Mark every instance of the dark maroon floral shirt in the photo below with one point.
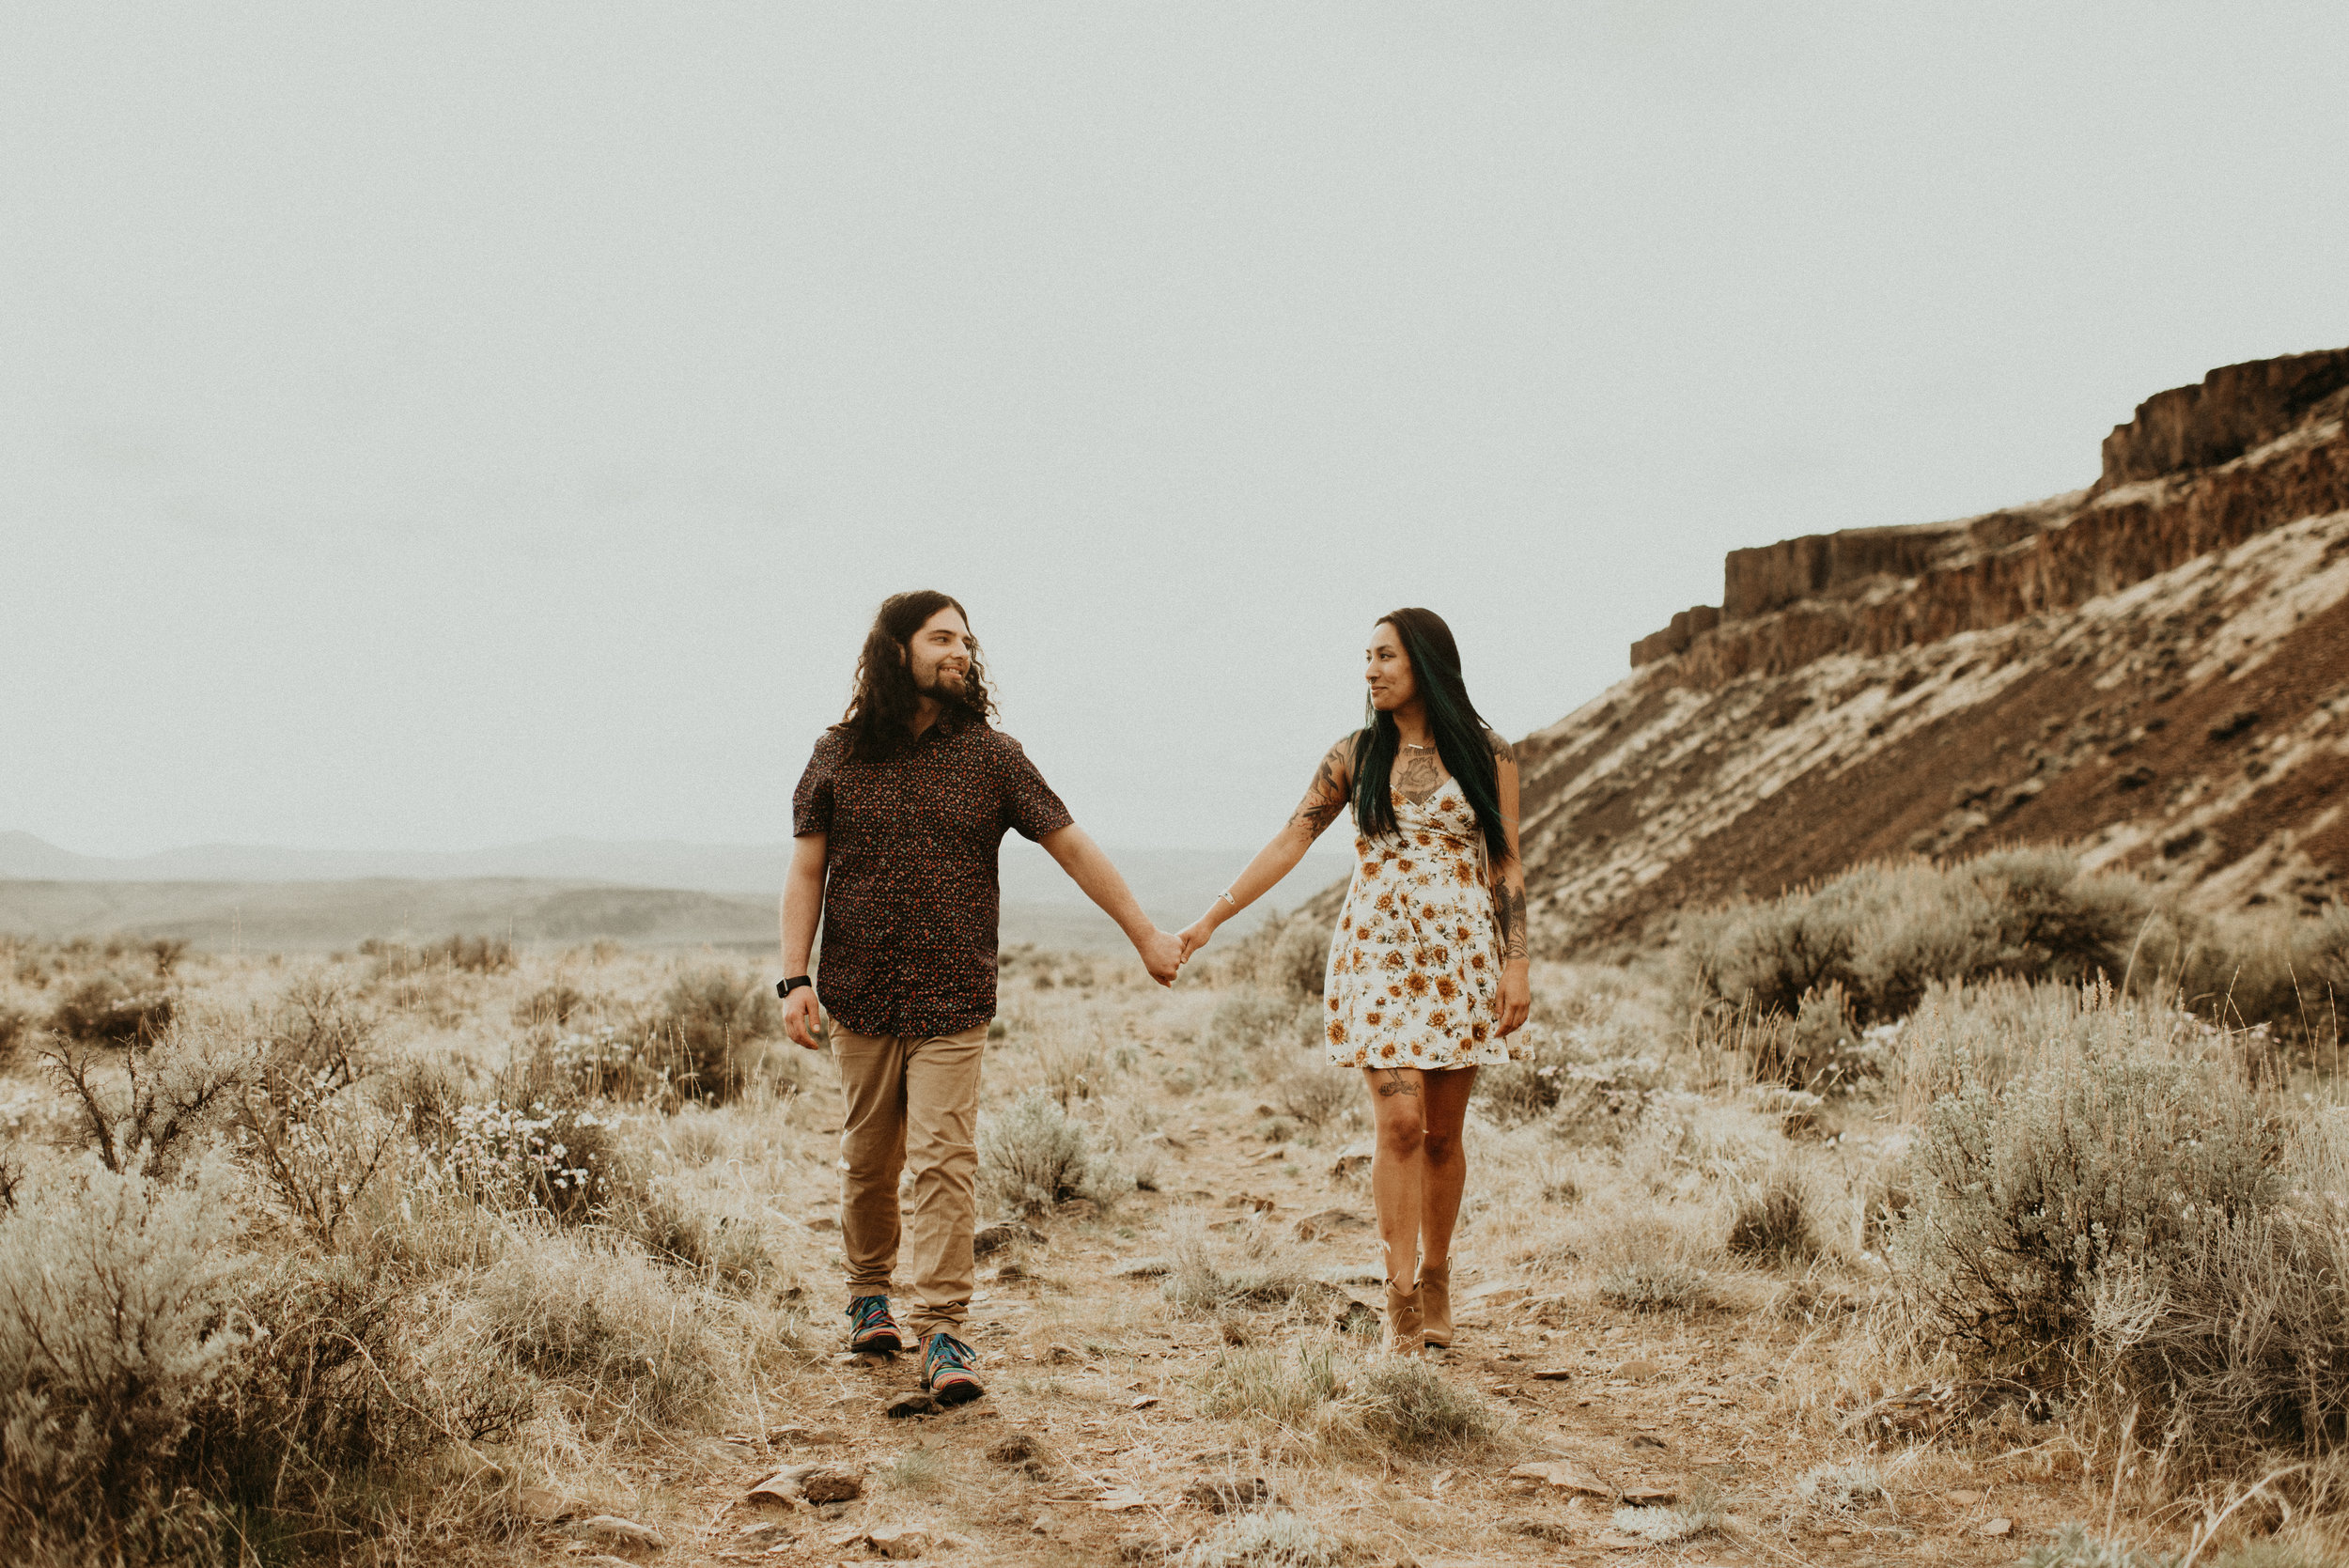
(911, 891)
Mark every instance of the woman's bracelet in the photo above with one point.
(1226, 896)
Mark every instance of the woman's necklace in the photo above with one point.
(1409, 747)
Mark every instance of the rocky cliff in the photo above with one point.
(2155, 668)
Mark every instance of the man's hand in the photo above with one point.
(1517, 996)
(1161, 955)
(801, 1017)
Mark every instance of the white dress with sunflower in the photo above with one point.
(1414, 977)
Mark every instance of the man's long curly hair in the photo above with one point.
(883, 708)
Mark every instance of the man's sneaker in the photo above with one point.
(946, 1370)
(871, 1328)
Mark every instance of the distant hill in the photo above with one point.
(1173, 879)
(2154, 669)
(221, 896)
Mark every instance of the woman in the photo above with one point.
(1428, 974)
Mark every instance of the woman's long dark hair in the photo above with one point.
(1467, 755)
(883, 708)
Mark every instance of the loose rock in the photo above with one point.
(913, 1401)
(1329, 1222)
(898, 1542)
(1352, 1160)
(1016, 1449)
(829, 1484)
(994, 1239)
(1995, 1526)
(760, 1537)
(1649, 1496)
(1565, 1475)
(547, 1507)
(1142, 1268)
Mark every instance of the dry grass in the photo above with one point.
(423, 1325)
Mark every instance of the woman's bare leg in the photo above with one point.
(1444, 1102)
(1397, 1169)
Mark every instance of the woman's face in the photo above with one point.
(1387, 669)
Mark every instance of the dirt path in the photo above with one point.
(1089, 1449)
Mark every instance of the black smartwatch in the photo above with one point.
(785, 987)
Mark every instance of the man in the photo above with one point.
(896, 826)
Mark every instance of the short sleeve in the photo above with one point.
(1029, 804)
(811, 804)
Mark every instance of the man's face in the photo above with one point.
(939, 654)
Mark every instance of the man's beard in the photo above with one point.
(948, 688)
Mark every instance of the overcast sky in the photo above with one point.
(435, 425)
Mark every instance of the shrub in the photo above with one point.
(2102, 1150)
(701, 1024)
(550, 1005)
(1526, 1090)
(1290, 1389)
(2129, 1218)
(1698, 1515)
(1885, 933)
(1772, 1217)
(110, 1010)
(1273, 1539)
(317, 1038)
(15, 1027)
(114, 1332)
(2076, 1546)
(560, 1161)
(729, 1254)
(1409, 1402)
(473, 955)
(1656, 1285)
(601, 1317)
(1298, 960)
(1317, 1096)
(185, 1086)
(1840, 1488)
(1260, 1269)
(1250, 1021)
(1035, 1155)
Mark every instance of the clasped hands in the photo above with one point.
(1165, 953)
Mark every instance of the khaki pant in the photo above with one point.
(908, 1098)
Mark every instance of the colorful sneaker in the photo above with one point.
(871, 1328)
(946, 1370)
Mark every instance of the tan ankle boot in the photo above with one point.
(1404, 1336)
(1435, 1304)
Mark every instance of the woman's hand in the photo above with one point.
(1194, 936)
(1516, 995)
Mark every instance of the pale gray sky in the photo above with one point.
(433, 425)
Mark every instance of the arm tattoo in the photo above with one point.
(1325, 798)
(1509, 907)
(1500, 748)
(1395, 1083)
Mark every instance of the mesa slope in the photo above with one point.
(2155, 670)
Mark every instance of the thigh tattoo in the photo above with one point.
(1395, 1083)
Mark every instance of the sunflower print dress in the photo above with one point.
(1414, 977)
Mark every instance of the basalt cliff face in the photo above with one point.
(2154, 669)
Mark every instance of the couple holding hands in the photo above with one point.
(896, 826)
